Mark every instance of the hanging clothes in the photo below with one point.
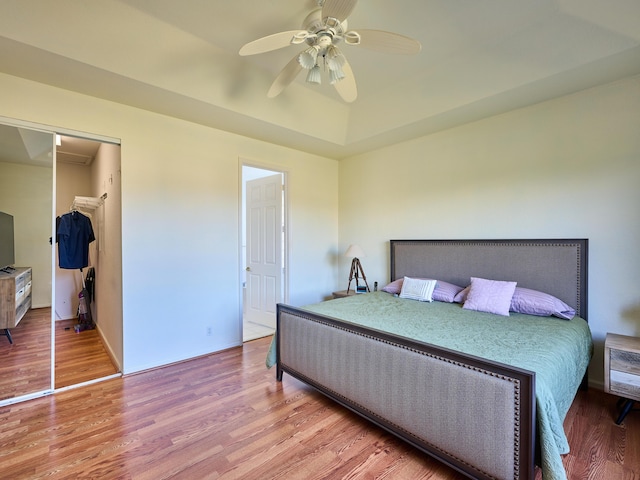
(74, 234)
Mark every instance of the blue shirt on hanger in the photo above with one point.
(74, 234)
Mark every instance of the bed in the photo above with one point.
(490, 407)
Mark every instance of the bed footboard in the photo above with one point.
(474, 415)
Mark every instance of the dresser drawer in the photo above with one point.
(15, 296)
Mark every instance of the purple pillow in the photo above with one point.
(461, 296)
(533, 302)
(491, 296)
(394, 287)
(444, 291)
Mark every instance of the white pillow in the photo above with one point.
(418, 289)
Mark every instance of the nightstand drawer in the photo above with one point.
(622, 366)
(624, 384)
(624, 361)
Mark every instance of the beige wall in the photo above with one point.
(180, 220)
(564, 168)
(26, 192)
(107, 304)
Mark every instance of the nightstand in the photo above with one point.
(343, 293)
(622, 370)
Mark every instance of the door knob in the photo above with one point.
(248, 269)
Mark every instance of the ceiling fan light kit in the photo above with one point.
(308, 58)
(335, 76)
(314, 76)
(324, 28)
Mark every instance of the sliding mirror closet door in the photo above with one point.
(88, 293)
(26, 197)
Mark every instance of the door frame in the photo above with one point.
(244, 162)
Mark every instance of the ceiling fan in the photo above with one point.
(322, 30)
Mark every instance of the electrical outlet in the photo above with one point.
(209, 331)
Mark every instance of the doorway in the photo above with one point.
(263, 249)
(87, 300)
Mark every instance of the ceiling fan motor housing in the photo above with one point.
(322, 29)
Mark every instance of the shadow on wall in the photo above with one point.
(631, 315)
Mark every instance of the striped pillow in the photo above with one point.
(418, 289)
(444, 291)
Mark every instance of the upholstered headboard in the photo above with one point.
(556, 267)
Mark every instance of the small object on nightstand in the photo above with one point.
(622, 370)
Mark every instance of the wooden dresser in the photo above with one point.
(15, 298)
(622, 369)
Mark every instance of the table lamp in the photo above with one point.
(354, 251)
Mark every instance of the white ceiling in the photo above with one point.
(31, 147)
(23, 145)
(77, 151)
(180, 58)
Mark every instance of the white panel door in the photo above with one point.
(264, 249)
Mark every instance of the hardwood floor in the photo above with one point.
(25, 365)
(224, 416)
(80, 357)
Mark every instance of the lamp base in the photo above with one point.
(356, 268)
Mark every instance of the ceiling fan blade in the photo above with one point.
(274, 42)
(346, 87)
(285, 77)
(388, 42)
(339, 9)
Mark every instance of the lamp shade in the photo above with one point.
(354, 251)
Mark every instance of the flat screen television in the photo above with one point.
(7, 251)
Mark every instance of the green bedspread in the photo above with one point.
(558, 351)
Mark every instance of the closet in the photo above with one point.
(74, 237)
(89, 185)
(61, 172)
